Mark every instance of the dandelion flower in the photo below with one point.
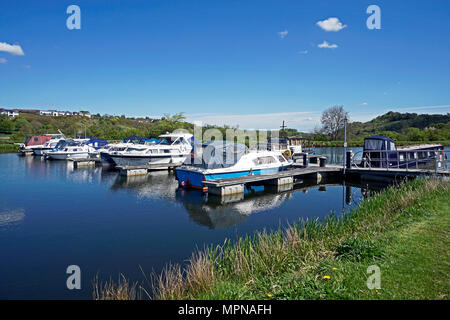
(326, 277)
(334, 269)
(269, 295)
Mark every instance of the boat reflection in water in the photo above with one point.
(224, 212)
(217, 212)
(156, 185)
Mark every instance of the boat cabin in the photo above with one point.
(381, 152)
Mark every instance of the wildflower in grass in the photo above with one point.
(326, 277)
(269, 295)
(334, 269)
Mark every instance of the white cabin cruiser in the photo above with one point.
(70, 149)
(223, 160)
(106, 151)
(172, 149)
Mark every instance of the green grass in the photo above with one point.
(403, 230)
(8, 148)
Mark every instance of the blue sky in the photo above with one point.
(226, 61)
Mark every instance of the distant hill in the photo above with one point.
(399, 123)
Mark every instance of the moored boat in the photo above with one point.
(171, 150)
(223, 160)
(382, 152)
(49, 145)
(70, 149)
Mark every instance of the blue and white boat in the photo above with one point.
(223, 160)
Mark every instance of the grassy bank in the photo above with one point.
(403, 230)
(8, 148)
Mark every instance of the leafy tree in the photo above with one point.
(6, 125)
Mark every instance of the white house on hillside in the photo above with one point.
(9, 113)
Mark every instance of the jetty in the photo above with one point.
(85, 162)
(316, 172)
(230, 186)
(130, 171)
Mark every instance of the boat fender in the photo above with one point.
(287, 154)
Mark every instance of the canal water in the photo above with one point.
(53, 216)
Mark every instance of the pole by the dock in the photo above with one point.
(345, 140)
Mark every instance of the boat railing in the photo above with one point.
(437, 160)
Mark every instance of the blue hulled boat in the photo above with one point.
(223, 160)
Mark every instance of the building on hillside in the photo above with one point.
(9, 112)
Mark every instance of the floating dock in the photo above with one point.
(85, 162)
(315, 173)
(129, 171)
(230, 186)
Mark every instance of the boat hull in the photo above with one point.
(194, 179)
(129, 160)
(67, 155)
(41, 151)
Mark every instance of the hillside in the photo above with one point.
(399, 126)
(403, 126)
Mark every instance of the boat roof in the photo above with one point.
(96, 140)
(380, 138)
(224, 144)
(172, 135)
(135, 138)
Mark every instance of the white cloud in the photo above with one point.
(303, 52)
(327, 45)
(14, 49)
(331, 24)
(283, 34)
(3, 60)
(364, 104)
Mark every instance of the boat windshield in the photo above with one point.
(373, 144)
(67, 143)
(168, 140)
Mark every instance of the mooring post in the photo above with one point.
(348, 159)
(305, 159)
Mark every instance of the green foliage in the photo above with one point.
(358, 249)
(106, 127)
(6, 125)
(404, 126)
(8, 148)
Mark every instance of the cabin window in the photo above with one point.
(392, 146)
(373, 144)
(264, 160)
(36, 139)
(281, 158)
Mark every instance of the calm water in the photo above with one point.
(52, 216)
